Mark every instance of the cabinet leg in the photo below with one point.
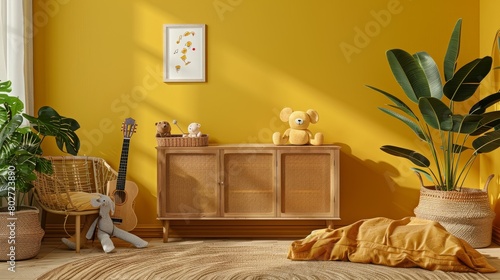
(329, 224)
(166, 226)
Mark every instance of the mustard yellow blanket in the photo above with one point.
(409, 242)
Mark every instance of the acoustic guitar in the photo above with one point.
(121, 190)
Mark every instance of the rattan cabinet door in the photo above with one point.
(306, 182)
(249, 182)
(188, 182)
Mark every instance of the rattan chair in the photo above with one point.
(68, 190)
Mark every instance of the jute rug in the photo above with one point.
(229, 259)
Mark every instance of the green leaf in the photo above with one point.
(9, 128)
(487, 143)
(11, 103)
(489, 121)
(431, 72)
(483, 104)
(416, 158)
(413, 126)
(10, 147)
(44, 165)
(421, 171)
(30, 142)
(50, 123)
(450, 59)
(5, 86)
(466, 124)
(68, 142)
(25, 163)
(436, 113)
(467, 79)
(399, 104)
(409, 74)
(457, 149)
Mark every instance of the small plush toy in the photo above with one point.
(298, 133)
(106, 229)
(162, 129)
(193, 130)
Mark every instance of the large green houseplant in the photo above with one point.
(20, 160)
(20, 146)
(455, 137)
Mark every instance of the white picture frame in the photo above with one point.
(184, 53)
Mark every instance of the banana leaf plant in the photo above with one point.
(455, 137)
(20, 150)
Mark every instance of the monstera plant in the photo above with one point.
(20, 145)
(455, 137)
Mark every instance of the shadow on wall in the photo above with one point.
(381, 198)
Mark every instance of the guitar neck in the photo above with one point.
(122, 170)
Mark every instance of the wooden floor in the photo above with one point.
(53, 254)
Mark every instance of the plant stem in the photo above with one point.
(432, 148)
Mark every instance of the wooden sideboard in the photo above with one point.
(247, 181)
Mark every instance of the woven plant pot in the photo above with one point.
(25, 231)
(466, 214)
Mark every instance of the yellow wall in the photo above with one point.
(101, 61)
(489, 26)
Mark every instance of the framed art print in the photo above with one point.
(184, 53)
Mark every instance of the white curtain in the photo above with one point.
(16, 49)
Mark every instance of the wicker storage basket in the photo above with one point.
(176, 140)
(466, 214)
(27, 234)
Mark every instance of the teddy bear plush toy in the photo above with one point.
(162, 129)
(298, 133)
(105, 228)
(193, 130)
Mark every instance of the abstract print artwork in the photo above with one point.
(184, 53)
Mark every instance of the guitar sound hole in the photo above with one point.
(120, 197)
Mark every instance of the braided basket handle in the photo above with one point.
(488, 182)
(485, 189)
(420, 179)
